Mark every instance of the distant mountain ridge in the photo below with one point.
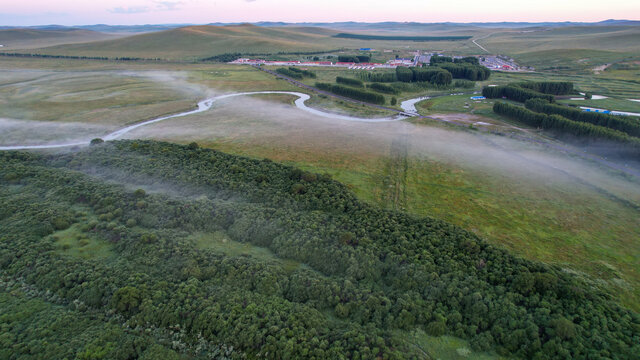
(342, 25)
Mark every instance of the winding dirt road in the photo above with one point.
(205, 105)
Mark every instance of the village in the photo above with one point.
(492, 62)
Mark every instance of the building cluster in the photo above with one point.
(491, 62)
(351, 65)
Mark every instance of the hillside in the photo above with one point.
(14, 39)
(204, 41)
(154, 245)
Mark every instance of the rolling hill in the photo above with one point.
(24, 38)
(204, 41)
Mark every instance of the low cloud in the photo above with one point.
(168, 5)
(129, 10)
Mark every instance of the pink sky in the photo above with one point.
(74, 12)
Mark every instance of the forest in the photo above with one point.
(155, 250)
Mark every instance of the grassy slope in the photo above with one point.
(574, 49)
(75, 105)
(15, 39)
(203, 41)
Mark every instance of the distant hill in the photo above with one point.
(194, 42)
(27, 38)
(379, 26)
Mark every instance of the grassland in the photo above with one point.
(20, 39)
(444, 347)
(197, 42)
(221, 242)
(558, 222)
(609, 103)
(538, 213)
(425, 167)
(107, 98)
(568, 49)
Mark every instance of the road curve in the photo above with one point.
(205, 105)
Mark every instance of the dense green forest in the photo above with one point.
(144, 249)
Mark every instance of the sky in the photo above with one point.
(129, 12)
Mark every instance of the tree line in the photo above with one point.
(296, 73)
(349, 81)
(228, 57)
(354, 58)
(383, 88)
(402, 38)
(353, 93)
(47, 56)
(563, 126)
(628, 125)
(548, 87)
(514, 93)
(416, 74)
(377, 76)
(465, 70)
(437, 59)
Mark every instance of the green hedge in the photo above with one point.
(289, 73)
(563, 125)
(548, 87)
(353, 93)
(383, 88)
(349, 81)
(628, 125)
(514, 93)
(467, 71)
